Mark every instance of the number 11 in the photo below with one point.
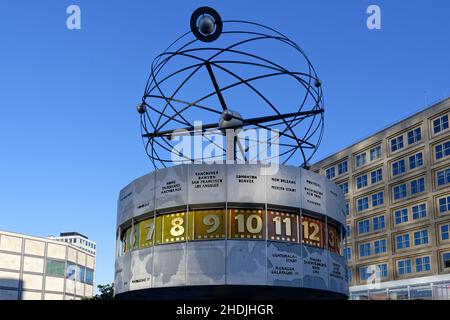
(287, 223)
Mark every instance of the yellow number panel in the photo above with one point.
(174, 227)
(211, 224)
(126, 240)
(246, 223)
(207, 224)
(134, 237)
(150, 232)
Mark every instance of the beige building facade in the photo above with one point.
(34, 268)
(397, 188)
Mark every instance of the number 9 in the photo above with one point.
(213, 221)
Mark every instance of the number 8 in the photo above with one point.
(177, 228)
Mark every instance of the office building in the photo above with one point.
(77, 240)
(35, 268)
(397, 188)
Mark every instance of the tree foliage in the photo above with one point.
(106, 292)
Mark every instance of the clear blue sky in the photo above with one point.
(69, 132)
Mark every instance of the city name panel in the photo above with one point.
(217, 225)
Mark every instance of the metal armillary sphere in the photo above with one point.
(234, 75)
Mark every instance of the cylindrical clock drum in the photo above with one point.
(196, 231)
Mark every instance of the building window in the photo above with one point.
(375, 153)
(414, 136)
(402, 241)
(443, 177)
(89, 276)
(376, 176)
(363, 226)
(418, 185)
(363, 204)
(55, 268)
(404, 266)
(71, 270)
(330, 172)
(420, 237)
(378, 199)
(364, 249)
(380, 246)
(347, 229)
(363, 273)
(398, 167)
(416, 161)
(348, 253)
(442, 150)
(342, 167)
(400, 192)
(446, 259)
(81, 274)
(360, 159)
(350, 275)
(361, 181)
(382, 270)
(401, 216)
(397, 143)
(423, 264)
(445, 229)
(419, 211)
(444, 204)
(344, 187)
(347, 208)
(440, 124)
(378, 223)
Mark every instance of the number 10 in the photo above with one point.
(249, 223)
